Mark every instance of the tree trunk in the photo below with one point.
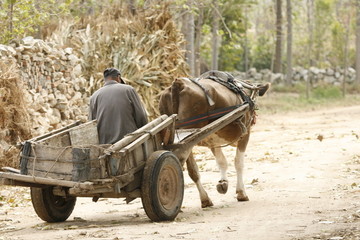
(310, 20)
(278, 47)
(190, 40)
(346, 52)
(215, 37)
(357, 5)
(198, 41)
(246, 51)
(289, 43)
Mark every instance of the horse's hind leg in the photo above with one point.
(222, 186)
(194, 174)
(239, 166)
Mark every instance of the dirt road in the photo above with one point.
(302, 176)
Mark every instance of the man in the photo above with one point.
(117, 108)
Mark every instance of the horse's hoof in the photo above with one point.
(222, 186)
(242, 199)
(206, 203)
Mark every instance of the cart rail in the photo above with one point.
(183, 148)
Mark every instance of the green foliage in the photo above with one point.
(231, 55)
(322, 91)
(19, 18)
(324, 16)
(294, 88)
(327, 92)
(262, 53)
(338, 39)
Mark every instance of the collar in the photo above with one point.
(109, 82)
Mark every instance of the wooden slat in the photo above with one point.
(46, 181)
(53, 175)
(214, 126)
(38, 138)
(84, 134)
(12, 182)
(133, 136)
(62, 138)
(10, 169)
(163, 125)
(183, 148)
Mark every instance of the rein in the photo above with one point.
(206, 116)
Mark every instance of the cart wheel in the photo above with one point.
(162, 188)
(49, 207)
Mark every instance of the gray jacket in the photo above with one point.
(118, 110)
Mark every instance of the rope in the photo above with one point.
(57, 159)
(33, 150)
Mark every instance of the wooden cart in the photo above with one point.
(69, 163)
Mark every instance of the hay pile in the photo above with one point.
(146, 48)
(14, 118)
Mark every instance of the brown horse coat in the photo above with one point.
(187, 99)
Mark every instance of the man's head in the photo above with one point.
(113, 74)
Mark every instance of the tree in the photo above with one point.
(357, 6)
(19, 18)
(289, 43)
(188, 29)
(198, 38)
(324, 17)
(278, 46)
(310, 21)
(215, 36)
(246, 45)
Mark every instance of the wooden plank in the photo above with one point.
(181, 134)
(10, 169)
(163, 125)
(38, 138)
(65, 161)
(62, 139)
(132, 146)
(25, 153)
(214, 126)
(46, 181)
(135, 144)
(53, 175)
(12, 182)
(50, 159)
(50, 166)
(183, 148)
(59, 140)
(133, 194)
(133, 136)
(123, 161)
(84, 134)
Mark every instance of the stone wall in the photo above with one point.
(54, 86)
(333, 76)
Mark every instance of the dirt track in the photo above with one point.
(299, 188)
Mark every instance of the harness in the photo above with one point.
(227, 80)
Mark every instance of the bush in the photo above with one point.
(327, 92)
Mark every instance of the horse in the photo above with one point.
(214, 91)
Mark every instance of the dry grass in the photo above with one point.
(146, 48)
(14, 119)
